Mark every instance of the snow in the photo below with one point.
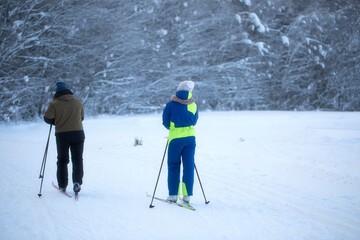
(162, 32)
(285, 40)
(254, 19)
(238, 18)
(17, 23)
(246, 2)
(247, 41)
(268, 175)
(322, 51)
(259, 45)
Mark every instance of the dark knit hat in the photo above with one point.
(60, 86)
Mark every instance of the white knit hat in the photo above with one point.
(187, 85)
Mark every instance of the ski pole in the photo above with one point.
(206, 202)
(151, 204)
(42, 169)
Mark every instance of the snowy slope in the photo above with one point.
(268, 175)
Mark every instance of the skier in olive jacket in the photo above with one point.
(66, 112)
(180, 116)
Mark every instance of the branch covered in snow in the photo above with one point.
(128, 56)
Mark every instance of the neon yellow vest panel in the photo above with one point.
(182, 132)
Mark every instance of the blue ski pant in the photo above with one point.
(181, 149)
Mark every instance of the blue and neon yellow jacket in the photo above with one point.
(180, 115)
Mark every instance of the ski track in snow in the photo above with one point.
(268, 175)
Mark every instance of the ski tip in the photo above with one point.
(207, 202)
(151, 206)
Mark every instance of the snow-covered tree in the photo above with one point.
(128, 56)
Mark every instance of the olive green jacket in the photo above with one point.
(66, 112)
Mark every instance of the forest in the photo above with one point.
(128, 56)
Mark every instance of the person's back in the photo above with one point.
(69, 113)
(66, 112)
(180, 116)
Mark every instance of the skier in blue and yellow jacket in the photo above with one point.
(180, 116)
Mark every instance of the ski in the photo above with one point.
(173, 203)
(62, 192)
(186, 203)
(76, 196)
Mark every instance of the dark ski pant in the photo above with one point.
(181, 149)
(75, 142)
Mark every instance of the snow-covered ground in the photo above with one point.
(268, 175)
